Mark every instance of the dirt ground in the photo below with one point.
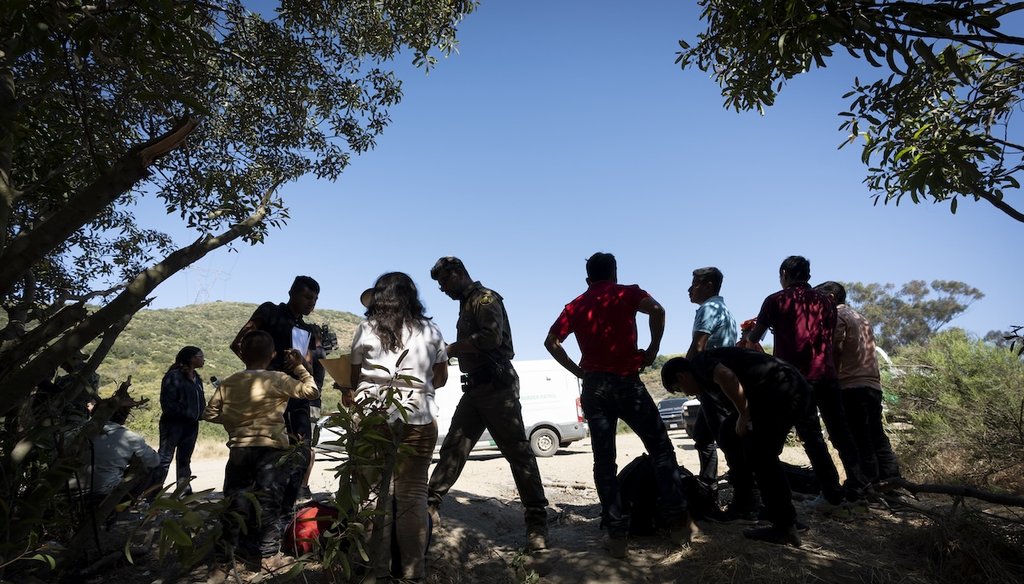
(482, 536)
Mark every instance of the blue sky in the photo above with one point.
(564, 128)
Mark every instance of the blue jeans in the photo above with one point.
(607, 398)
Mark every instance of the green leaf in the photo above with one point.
(46, 559)
(904, 151)
(925, 52)
(170, 530)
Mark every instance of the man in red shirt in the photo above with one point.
(803, 322)
(604, 321)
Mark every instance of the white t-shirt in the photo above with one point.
(425, 347)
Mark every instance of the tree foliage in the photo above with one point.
(914, 312)
(207, 108)
(965, 403)
(936, 124)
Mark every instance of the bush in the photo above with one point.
(965, 403)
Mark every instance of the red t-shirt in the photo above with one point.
(604, 321)
(803, 322)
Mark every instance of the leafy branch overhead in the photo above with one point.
(937, 123)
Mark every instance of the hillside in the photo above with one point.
(148, 345)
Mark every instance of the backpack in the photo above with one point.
(638, 492)
(304, 531)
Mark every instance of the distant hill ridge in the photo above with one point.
(148, 345)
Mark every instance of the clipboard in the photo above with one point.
(340, 369)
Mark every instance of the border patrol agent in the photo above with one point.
(490, 398)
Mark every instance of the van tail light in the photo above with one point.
(579, 410)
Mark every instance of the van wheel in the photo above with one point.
(544, 442)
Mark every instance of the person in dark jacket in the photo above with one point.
(182, 403)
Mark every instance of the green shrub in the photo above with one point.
(964, 401)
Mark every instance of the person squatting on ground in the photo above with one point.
(604, 321)
(803, 322)
(181, 405)
(398, 339)
(861, 387)
(766, 398)
(713, 327)
(284, 323)
(250, 404)
(490, 398)
(109, 455)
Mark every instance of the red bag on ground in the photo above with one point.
(304, 531)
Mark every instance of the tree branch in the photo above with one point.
(16, 383)
(998, 203)
(962, 491)
(29, 247)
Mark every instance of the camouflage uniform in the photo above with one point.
(490, 401)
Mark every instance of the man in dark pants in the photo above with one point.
(861, 387)
(604, 321)
(490, 398)
(766, 397)
(284, 323)
(803, 322)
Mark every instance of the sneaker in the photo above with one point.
(823, 506)
(773, 534)
(536, 540)
(275, 562)
(616, 546)
(682, 530)
(435, 516)
(304, 495)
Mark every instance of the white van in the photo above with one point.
(550, 396)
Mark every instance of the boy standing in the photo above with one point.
(250, 404)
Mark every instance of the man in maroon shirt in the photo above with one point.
(803, 322)
(604, 321)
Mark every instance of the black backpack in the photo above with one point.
(638, 492)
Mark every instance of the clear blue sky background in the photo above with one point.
(564, 128)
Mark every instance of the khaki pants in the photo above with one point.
(402, 509)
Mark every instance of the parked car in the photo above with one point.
(550, 399)
(671, 411)
(551, 406)
(690, 410)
